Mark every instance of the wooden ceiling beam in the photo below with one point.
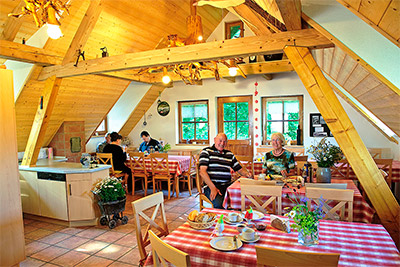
(253, 20)
(12, 24)
(291, 13)
(241, 47)
(28, 54)
(348, 139)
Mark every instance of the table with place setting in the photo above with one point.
(357, 243)
(362, 211)
(177, 164)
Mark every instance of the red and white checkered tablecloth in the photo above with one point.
(177, 164)
(358, 244)
(362, 212)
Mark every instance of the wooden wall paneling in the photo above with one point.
(347, 70)
(373, 10)
(391, 20)
(348, 139)
(337, 62)
(12, 24)
(381, 90)
(353, 3)
(356, 77)
(368, 83)
(328, 58)
(12, 240)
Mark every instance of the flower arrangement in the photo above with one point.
(325, 153)
(126, 141)
(109, 189)
(165, 148)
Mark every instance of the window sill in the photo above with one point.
(184, 144)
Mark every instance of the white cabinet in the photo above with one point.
(80, 198)
(53, 199)
(29, 192)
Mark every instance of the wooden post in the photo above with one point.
(348, 139)
(12, 241)
(42, 118)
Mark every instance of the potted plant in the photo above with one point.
(165, 148)
(306, 221)
(326, 155)
(111, 200)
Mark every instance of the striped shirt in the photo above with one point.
(219, 164)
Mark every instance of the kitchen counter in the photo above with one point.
(54, 166)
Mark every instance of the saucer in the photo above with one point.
(225, 243)
(256, 215)
(226, 219)
(256, 238)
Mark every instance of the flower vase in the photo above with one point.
(323, 175)
(310, 239)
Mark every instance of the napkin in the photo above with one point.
(280, 223)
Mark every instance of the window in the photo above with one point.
(236, 120)
(282, 114)
(193, 122)
(234, 29)
(102, 129)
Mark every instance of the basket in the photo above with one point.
(201, 225)
(112, 207)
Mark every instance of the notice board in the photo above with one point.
(318, 126)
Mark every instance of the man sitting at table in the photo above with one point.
(215, 169)
(107, 140)
(148, 142)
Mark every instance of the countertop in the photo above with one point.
(55, 166)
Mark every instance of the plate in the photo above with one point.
(256, 238)
(256, 215)
(225, 243)
(226, 219)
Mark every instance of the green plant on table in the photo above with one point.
(325, 153)
(165, 148)
(109, 189)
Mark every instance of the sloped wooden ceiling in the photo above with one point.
(123, 26)
(384, 16)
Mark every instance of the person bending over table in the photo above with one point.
(148, 143)
(278, 161)
(119, 157)
(215, 169)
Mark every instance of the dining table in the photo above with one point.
(362, 211)
(358, 244)
(177, 164)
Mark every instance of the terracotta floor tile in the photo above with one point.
(54, 238)
(70, 258)
(110, 236)
(172, 215)
(72, 242)
(95, 262)
(50, 265)
(113, 252)
(28, 221)
(91, 232)
(49, 253)
(40, 224)
(179, 209)
(55, 227)
(38, 234)
(71, 231)
(34, 247)
(29, 228)
(129, 241)
(27, 241)
(30, 262)
(132, 257)
(121, 264)
(91, 247)
(126, 229)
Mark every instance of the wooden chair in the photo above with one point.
(386, 165)
(164, 253)
(342, 196)
(341, 170)
(327, 185)
(300, 161)
(256, 182)
(160, 172)
(376, 153)
(199, 185)
(106, 158)
(190, 175)
(256, 193)
(155, 201)
(247, 163)
(138, 167)
(281, 258)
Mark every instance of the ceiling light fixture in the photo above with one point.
(165, 79)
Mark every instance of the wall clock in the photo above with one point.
(163, 108)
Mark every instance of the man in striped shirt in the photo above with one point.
(215, 169)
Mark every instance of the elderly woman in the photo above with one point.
(279, 160)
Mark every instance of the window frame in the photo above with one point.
(198, 141)
(266, 99)
(97, 133)
(228, 26)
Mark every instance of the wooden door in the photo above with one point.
(235, 119)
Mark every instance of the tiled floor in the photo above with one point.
(55, 245)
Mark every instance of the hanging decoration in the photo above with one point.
(163, 107)
(256, 90)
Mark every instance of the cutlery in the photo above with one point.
(235, 241)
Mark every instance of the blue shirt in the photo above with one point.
(152, 144)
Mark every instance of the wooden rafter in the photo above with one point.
(273, 23)
(253, 20)
(291, 13)
(12, 24)
(241, 47)
(348, 139)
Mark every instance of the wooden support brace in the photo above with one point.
(348, 139)
(42, 118)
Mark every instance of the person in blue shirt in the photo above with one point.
(148, 143)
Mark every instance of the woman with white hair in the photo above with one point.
(278, 161)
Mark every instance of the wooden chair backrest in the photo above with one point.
(257, 193)
(157, 201)
(164, 253)
(137, 163)
(159, 164)
(299, 151)
(256, 182)
(199, 185)
(376, 153)
(300, 161)
(277, 257)
(247, 163)
(341, 169)
(342, 196)
(326, 185)
(106, 158)
(387, 166)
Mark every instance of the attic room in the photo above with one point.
(315, 71)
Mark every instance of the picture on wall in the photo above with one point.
(318, 126)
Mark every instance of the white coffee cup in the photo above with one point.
(233, 217)
(261, 176)
(248, 233)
